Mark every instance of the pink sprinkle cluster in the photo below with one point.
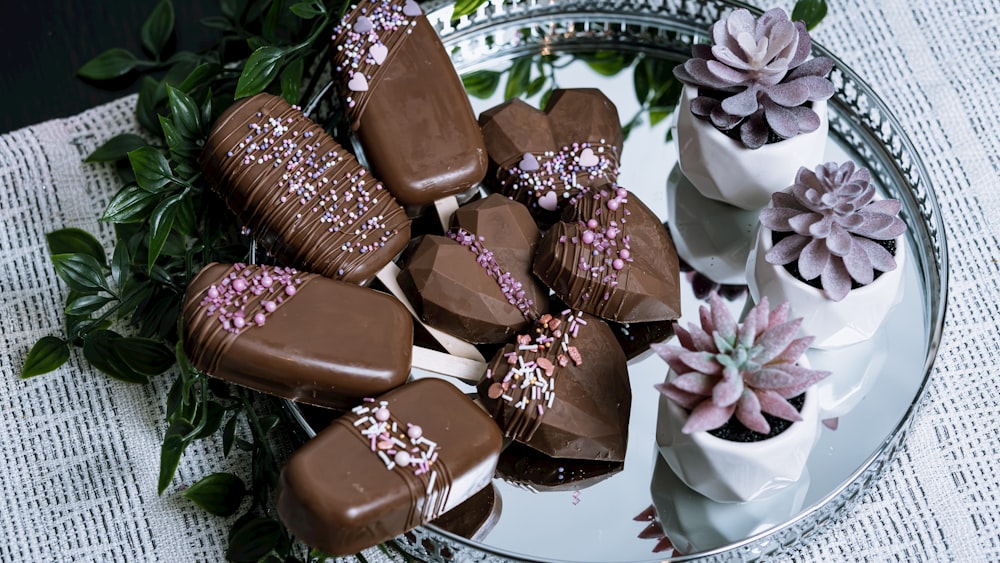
(530, 383)
(512, 289)
(396, 447)
(261, 289)
(608, 245)
(559, 173)
(361, 48)
(309, 178)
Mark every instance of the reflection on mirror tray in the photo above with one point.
(695, 523)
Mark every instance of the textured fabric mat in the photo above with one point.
(80, 451)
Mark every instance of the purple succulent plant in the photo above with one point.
(726, 369)
(834, 223)
(755, 79)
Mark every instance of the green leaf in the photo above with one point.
(46, 355)
(75, 241)
(99, 349)
(157, 28)
(229, 434)
(518, 78)
(200, 76)
(170, 452)
(213, 422)
(481, 83)
(307, 10)
(261, 68)
(185, 113)
(160, 223)
(146, 106)
(291, 81)
(171, 135)
(535, 86)
(608, 63)
(116, 148)
(131, 204)
(811, 12)
(152, 171)
(109, 64)
(87, 304)
(253, 539)
(219, 493)
(217, 22)
(144, 355)
(640, 80)
(81, 272)
(466, 7)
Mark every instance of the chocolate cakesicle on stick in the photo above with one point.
(476, 282)
(388, 466)
(546, 159)
(406, 103)
(302, 336)
(612, 257)
(305, 198)
(562, 389)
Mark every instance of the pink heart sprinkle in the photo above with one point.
(549, 201)
(358, 83)
(411, 8)
(363, 25)
(378, 52)
(588, 158)
(528, 163)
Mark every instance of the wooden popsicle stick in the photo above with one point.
(445, 208)
(453, 345)
(441, 363)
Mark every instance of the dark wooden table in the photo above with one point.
(46, 41)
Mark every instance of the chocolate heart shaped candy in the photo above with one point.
(546, 159)
(476, 283)
(562, 389)
(611, 257)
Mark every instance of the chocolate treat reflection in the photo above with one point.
(695, 523)
(474, 518)
(527, 467)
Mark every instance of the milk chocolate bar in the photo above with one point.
(296, 335)
(406, 102)
(302, 196)
(387, 466)
(562, 389)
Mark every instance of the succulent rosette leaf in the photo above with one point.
(725, 369)
(835, 225)
(755, 77)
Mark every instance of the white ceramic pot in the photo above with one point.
(695, 523)
(853, 319)
(723, 169)
(726, 471)
(712, 237)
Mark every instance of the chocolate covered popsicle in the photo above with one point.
(545, 159)
(296, 335)
(406, 102)
(562, 389)
(305, 198)
(387, 466)
(612, 257)
(476, 282)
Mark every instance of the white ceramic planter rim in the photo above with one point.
(721, 168)
(833, 323)
(726, 471)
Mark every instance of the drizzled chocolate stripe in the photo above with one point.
(367, 39)
(304, 197)
(552, 179)
(510, 286)
(242, 298)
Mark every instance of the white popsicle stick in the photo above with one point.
(453, 345)
(441, 363)
(445, 208)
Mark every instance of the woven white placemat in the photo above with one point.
(80, 451)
